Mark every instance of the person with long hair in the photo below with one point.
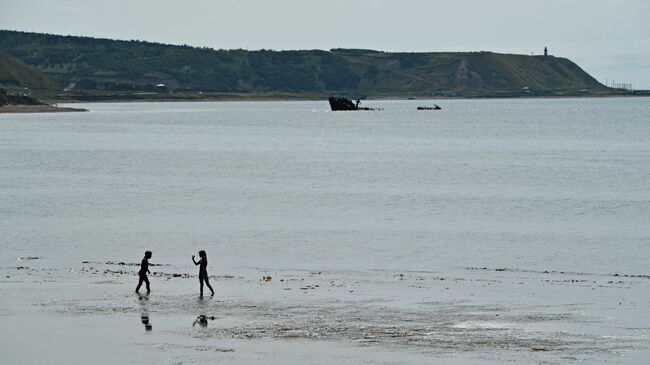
(203, 270)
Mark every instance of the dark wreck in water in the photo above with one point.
(435, 107)
(338, 103)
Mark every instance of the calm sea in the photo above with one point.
(557, 184)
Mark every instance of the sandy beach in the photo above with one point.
(472, 315)
(37, 109)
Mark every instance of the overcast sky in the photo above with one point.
(610, 39)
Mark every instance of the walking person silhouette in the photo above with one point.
(144, 269)
(203, 271)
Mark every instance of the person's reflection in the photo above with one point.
(144, 316)
(145, 320)
(202, 320)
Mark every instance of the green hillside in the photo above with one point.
(16, 75)
(102, 65)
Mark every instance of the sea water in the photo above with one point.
(534, 212)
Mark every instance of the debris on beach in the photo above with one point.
(267, 278)
(120, 263)
(208, 348)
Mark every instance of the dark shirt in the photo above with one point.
(144, 266)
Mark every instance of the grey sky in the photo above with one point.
(609, 38)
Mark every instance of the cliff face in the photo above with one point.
(109, 65)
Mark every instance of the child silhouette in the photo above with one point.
(144, 269)
(203, 270)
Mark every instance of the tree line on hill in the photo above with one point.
(91, 64)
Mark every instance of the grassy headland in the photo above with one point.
(94, 69)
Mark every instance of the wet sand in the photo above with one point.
(37, 109)
(469, 316)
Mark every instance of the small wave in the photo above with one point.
(482, 325)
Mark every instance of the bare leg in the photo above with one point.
(137, 288)
(207, 282)
(201, 282)
(146, 281)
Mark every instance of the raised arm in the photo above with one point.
(195, 262)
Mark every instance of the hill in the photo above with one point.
(15, 75)
(93, 65)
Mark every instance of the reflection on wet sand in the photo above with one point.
(145, 320)
(202, 320)
(144, 316)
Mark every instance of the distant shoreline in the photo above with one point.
(262, 97)
(161, 98)
(7, 109)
